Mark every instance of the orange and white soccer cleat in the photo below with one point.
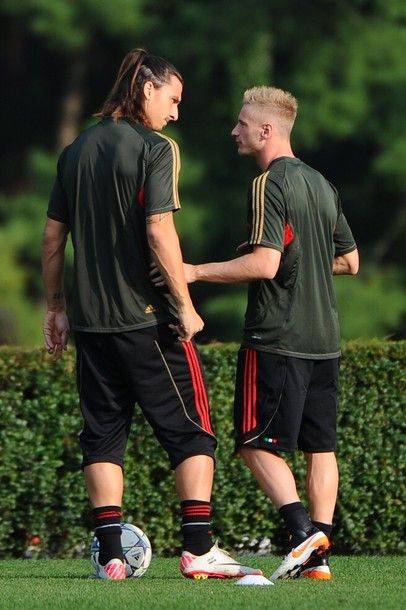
(300, 555)
(317, 568)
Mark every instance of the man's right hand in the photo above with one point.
(158, 281)
(189, 324)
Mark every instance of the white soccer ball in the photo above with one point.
(136, 548)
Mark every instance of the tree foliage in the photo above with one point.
(343, 60)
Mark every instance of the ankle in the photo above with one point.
(108, 532)
(297, 522)
(196, 526)
(326, 528)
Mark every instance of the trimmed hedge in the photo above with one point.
(42, 490)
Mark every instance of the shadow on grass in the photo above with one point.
(26, 576)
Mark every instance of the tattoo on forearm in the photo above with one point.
(156, 218)
(57, 296)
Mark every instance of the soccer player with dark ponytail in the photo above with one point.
(115, 192)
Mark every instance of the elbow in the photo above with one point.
(49, 246)
(354, 264)
(265, 262)
(155, 237)
(271, 266)
(270, 275)
(269, 272)
(54, 237)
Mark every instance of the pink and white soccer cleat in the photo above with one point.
(214, 564)
(113, 570)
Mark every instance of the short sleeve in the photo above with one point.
(58, 204)
(162, 175)
(343, 238)
(266, 214)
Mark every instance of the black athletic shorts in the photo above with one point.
(149, 367)
(283, 403)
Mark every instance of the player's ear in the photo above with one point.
(266, 131)
(148, 89)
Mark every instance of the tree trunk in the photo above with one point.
(72, 103)
(391, 234)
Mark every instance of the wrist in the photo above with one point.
(56, 302)
(195, 273)
(185, 305)
(56, 308)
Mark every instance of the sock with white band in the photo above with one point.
(107, 521)
(196, 526)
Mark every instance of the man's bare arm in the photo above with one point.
(346, 264)
(164, 243)
(53, 262)
(56, 325)
(261, 263)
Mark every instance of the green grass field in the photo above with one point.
(358, 582)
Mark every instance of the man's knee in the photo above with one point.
(248, 453)
(320, 456)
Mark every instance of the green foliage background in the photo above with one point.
(343, 60)
(43, 491)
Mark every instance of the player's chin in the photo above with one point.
(245, 151)
(158, 126)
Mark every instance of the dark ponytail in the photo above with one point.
(126, 97)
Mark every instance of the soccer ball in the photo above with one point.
(136, 549)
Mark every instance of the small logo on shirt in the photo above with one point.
(271, 441)
(256, 337)
(150, 309)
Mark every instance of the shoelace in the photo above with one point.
(222, 551)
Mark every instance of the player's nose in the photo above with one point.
(174, 113)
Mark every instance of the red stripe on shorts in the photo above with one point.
(201, 400)
(245, 397)
(250, 391)
(254, 389)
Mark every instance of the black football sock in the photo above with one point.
(108, 532)
(326, 528)
(298, 522)
(196, 526)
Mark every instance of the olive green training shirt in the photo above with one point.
(108, 180)
(295, 210)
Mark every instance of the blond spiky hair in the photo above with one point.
(279, 102)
